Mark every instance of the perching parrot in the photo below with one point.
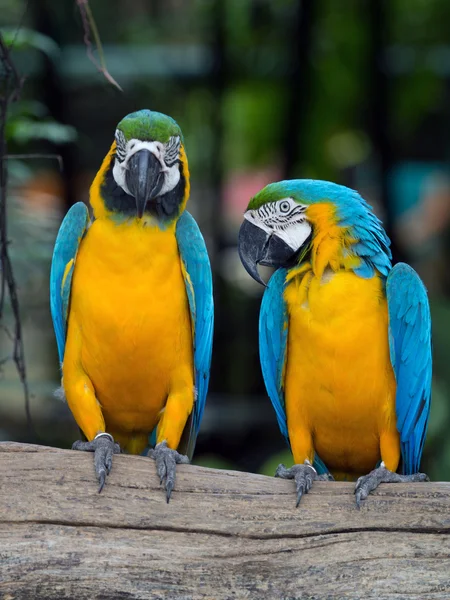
(132, 305)
(344, 337)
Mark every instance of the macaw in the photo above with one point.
(344, 337)
(132, 305)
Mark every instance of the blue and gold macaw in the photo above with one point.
(344, 337)
(131, 302)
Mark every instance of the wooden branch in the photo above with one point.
(224, 534)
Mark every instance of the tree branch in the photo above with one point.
(224, 534)
(90, 26)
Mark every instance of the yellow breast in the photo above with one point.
(129, 302)
(339, 378)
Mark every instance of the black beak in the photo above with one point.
(144, 178)
(256, 246)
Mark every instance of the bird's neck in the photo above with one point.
(330, 246)
(361, 247)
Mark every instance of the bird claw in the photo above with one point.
(369, 483)
(360, 495)
(303, 475)
(104, 447)
(166, 460)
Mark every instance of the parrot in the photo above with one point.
(344, 336)
(132, 303)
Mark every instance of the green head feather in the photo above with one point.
(301, 190)
(148, 125)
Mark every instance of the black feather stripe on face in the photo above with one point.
(172, 151)
(121, 145)
(273, 216)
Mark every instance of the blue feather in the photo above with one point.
(410, 351)
(273, 336)
(70, 234)
(273, 330)
(200, 296)
(366, 270)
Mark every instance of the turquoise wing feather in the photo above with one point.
(199, 290)
(273, 336)
(70, 233)
(273, 333)
(410, 351)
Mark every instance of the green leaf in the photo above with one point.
(27, 38)
(22, 130)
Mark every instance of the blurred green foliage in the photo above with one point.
(24, 126)
(24, 39)
(28, 119)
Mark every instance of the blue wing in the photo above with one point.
(273, 335)
(198, 280)
(410, 351)
(67, 243)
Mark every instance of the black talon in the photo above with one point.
(166, 460)
(169, 488)
(103, 447)
(101, 480)
(304, 475)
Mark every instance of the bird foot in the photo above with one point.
(166, 461)
(304, 475)
(104, 447)
(369, 483)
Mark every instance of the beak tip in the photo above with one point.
(252, 270)
(257, 277)
(251, 242)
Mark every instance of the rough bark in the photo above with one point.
(224, 534)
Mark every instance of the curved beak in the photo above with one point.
(144, 178)
(258, 247)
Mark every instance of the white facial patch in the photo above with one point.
(167, 155)
(285, 218)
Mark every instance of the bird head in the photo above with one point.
(284, 219)
(146, 170)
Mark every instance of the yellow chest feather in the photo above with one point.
(339, 381)
(129, 305)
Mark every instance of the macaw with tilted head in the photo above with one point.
(131, 302)
(344, 337)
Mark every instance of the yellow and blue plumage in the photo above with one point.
(345, 342)
(131, 301)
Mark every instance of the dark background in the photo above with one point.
(355, 91)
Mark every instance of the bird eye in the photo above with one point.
(285, 206)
